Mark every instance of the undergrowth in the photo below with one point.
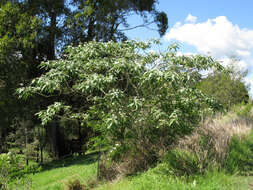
(209, 159)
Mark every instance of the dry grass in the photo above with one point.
(210, 142)
(138, 159)
(129, 164)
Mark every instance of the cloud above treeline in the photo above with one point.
(219, 38)
(191, 19)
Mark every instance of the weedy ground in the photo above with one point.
(206, 160)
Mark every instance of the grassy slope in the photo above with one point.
(154, 180)
(55, 174)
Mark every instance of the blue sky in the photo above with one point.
(221, 28)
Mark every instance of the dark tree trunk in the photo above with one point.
(41, 154)
(52, 131)
(90, 33)
(57, 140)
(51, 50)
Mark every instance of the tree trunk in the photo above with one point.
(52, 31)
(41, 154)
(90, 33)
(52, 131)
(26, 142)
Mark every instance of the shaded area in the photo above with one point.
(73, 160)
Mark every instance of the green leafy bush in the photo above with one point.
(12, 166)
(244, 110)
(182, 163)
(32, 168)
(227, 86)
(10, 162)
(128, 95)
(240, 155)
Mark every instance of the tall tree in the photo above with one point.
(38, 30)
(104, 20)
(17, 35)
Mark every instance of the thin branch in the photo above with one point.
(46, 96)
(138, 26)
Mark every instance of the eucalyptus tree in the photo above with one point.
(17, 34)
(32, 31)
(105, 20)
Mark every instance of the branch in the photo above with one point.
(138, 26)
(45, 96)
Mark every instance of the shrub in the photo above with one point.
(32, 168)
(228, 87)
(10, 162)
(210, 143)
(12, 166)
(108, 170)
(128, 95)
(74, 184)
(244, 110)
(182, 163)
(92, 183)
(240, 155)
(131, 159)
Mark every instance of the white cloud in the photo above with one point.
(217, 36)
(242, 64)
(191, 19)
(180, 53)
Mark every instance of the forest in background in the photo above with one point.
(36, 31)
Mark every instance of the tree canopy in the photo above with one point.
(124, 92)
(32, 31)
(228, 86)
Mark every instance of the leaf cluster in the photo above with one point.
(124, 91)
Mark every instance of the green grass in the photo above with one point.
(55, 174)
(153, 179)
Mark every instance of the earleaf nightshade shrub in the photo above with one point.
(125, 92)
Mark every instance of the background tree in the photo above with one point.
(37, 30)
(17, 34)
(106, 20)
(228, 86)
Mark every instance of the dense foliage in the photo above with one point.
(130, 96)
(81, 83)
(32, 31)
(228, 87)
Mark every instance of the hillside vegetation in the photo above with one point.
(218, 155)
(145, 110)
(84, 107)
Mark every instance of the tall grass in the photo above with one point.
(155, 179)
(217, 143)
(208, 159)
